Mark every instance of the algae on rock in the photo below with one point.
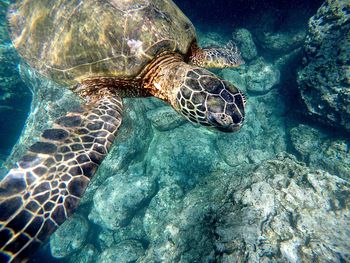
(322, 151)
(324, 82)
(69, 238)
(285, 211)
(119, 198)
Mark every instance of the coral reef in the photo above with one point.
(325, 79)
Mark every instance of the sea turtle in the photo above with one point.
(103, 50)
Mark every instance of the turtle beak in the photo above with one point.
(231, 128)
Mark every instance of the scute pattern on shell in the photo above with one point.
(70, 41)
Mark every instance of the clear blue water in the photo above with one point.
(280, 109)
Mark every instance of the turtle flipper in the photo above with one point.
(216, 57)
(45, 186)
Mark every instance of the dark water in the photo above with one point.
(219, 18)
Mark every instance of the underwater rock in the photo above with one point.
(256, 78)
(105, 238)
(124, 252)
(261, 76)
(305, 140)
(282, 42)
(324, 82)
(284, 211)
(119, 198)
(49, 102)
(265, 123)
(87, 254)
(182, 156)
(70, 237)
(133, 231)
(288, 63)
(166, 203)
(244, 40)
(237, 77)
(280, 32)
(322, 151)
(179, 225)
(165, 118)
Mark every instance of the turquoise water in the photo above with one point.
(14, 95)
(169, 191)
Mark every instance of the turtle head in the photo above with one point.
(206, 99)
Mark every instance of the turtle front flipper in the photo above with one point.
(216, 57)
(45, 186)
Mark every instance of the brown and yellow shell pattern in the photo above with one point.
(70, 41)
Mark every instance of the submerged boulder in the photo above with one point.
(70, 237)
(322, 151)
(124, 252)
(324, 81)
(282, 42)
(119, 198)
(256, 78)
(262, 76)
(282, 211)
(244, 40)
(87, 254)
(182, 156)
(286, 212)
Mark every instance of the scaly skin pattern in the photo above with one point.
(216, 57)
(201, 92)
(45, 186)
(195, 92)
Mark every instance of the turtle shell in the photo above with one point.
(73, 40)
